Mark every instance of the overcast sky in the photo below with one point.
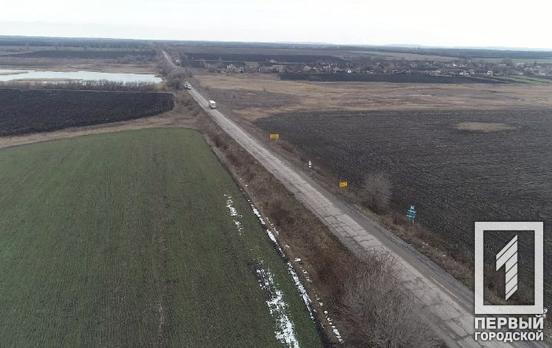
(496, 23)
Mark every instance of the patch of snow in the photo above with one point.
(276, 244)
(258, 215)
(234, 213)
(238, 226)
(285, 332)
(301, 288)
(230, 205)
(335, 331)
(337, 334)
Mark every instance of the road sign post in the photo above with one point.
(343, 184)
(411, 214)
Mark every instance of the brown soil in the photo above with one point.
(485, 127)
(254, 96)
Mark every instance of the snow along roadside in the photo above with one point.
(277, 306)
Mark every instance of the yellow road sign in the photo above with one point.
(274, 136)
(343, 183)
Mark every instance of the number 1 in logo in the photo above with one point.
(508, 258)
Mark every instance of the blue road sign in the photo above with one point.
(411, 213)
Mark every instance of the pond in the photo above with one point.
(15, 75)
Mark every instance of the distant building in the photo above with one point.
(231, 68)
(251, 66)
(278, 68)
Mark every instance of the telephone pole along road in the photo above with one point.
(446, 303)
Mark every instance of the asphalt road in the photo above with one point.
(446, 303)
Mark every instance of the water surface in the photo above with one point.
(14, 75)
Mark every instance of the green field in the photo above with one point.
(128, 239)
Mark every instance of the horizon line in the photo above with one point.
(305, 43)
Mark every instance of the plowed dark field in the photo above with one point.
(453, 176)
(31, 111)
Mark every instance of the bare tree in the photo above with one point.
(379, 309)
(176, 78)
(376, 192)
